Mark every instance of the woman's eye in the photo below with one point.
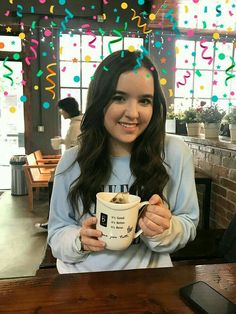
(118, 98)
(146, 101)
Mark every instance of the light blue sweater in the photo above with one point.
(149, 252)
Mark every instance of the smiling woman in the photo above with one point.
(123, 148)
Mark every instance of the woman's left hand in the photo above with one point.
(156, 217)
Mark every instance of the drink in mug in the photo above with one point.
(56, 142)
(118, 221)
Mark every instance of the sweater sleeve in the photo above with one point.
(182, 198)
(63, 229)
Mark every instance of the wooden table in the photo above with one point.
(133, 291)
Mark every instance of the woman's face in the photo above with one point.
(64, 114)
(130, 110)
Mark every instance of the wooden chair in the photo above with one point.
(46, 158)
(41, 159)
(34, 178)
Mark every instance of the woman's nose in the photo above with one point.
(132, 109)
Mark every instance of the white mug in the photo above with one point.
(56, 142)
(117, 221)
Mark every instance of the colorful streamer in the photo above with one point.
(218, 10)
(230, 75)
(169, 16)
(204, 50)
(8, 75)
(19, 10)
(69, 15)
(142, 54)
(52, 73)
(89, 32)
(33, 49)
(118, 33)
(185, 79)
(143, 26)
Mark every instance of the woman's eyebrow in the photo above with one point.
(120, 92)
(141, 96)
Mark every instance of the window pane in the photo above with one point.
(219, 88)
(10, 43)
(182, 104)
(136, 43)
(184, 54)
(69, 92)
(70, 73)
(84, 97)
(202, 85)
(208, 15)
(69, 47)
(89, 52)
(183, 90)
(204, 55)
(223, 55)
(87, 72)
(114, 46)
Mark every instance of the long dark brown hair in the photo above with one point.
(147, 155)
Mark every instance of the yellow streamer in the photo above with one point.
(51, 9)
(144, 25)
(52, 73)
(170, 92)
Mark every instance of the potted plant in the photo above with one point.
(230, 119)
(211, 116)
(193, 122)
(174, 122)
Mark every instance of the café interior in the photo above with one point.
(49, 50)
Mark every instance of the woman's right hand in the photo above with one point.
(89, 236)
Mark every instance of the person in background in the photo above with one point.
(123, 147)
(69, 109)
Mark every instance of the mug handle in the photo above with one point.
(140, 205)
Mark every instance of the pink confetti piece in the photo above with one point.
(89, 32)
(33, 48)
(185, 79)
(204, 50)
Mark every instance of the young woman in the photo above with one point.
(123, 147)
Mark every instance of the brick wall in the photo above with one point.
(220, 164)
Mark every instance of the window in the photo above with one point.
(207, 14)
(204, 74)
(11, 107)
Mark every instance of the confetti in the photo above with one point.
(52, 73)
(33, 49)
(230, 75)
(170, 92)
(143, 26)
(205, 48)
(8, 75)
(185, 79)
(218, 10)
(19, 10)
(89, 32)
(66, 19)
(169, 16)
(142, 54)
(118, 33)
